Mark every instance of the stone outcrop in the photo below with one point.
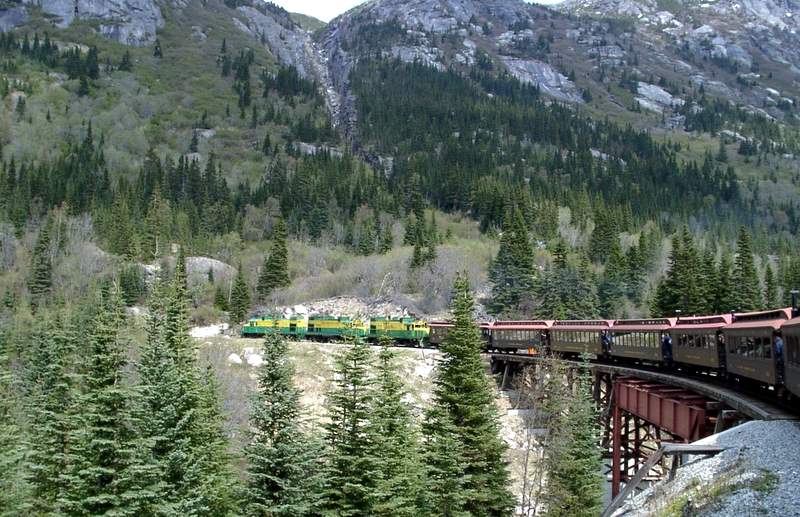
(133, 22)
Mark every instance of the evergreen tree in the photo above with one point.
(771, 298)
(52, 410)
(512, 271)
(283, 471)
(111, 473)
(566, 291)
(14, 490)
(126, 65)
(41, 279)
(747, 293)
(220, 300)
(724, 300)
(387, 240)
(351, 465)
(574, 479)
(399, 478)
(463, 398)
(611, 291)
(157, 52)
(445, 460)
(275, 272)
(240, 297)
(183, 424)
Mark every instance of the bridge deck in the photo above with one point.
(747, 404)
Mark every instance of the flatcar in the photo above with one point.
(516, 335)
(791, 356)
(640, 340)
(697, 341)
(576, 337)
(750, 345)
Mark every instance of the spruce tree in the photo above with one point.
(445, 460)
(41, 279)
(184, 424)
(396, 444)
(771, 298)
(351, 465)
(574, 479)
(111, 471)
(747, 293)
(512, 271)
(14, 490)
(220, 300)
(283, 470)
(275, 272)
(611, 291)
(52, 413)
(463, 397)
(724, 300)
(240, 298)
(387, 240)
(157, 52)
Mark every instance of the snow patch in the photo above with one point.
(209, 331)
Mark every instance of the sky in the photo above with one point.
(326, 10)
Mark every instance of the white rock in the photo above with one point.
(234, 359)
(209, 331)
(255, 360)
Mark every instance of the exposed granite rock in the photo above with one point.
(133, 22)
(543, 75)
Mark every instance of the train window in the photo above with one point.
(792, 349)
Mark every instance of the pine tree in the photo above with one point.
(157, 52)
(183, 424)
(351, 466)
(240, 297)
(14, 490)
(110, 473)
(445, 460)
(512, 271)
(52, 410)
(747, 293)
(399, 478)
(275, 272)
(283, 470)
(463, 396)
(220, 300)
(41, 279)
(771, 298)
(724, 300)
(574, 479)
(611, 291)
(387, 240)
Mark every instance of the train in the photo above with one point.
(321, 327)
(760, 349)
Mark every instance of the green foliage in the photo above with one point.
(275, 272)
(240, 297)
(41, 279)
(574, 479)
(512, 271)
(14, 490)
(399, 478)
(747, 294)
(52, 393)
(111, 471)
(283, 468)
(351, 466)
(566, 291)
(184, 423)
(463, 405)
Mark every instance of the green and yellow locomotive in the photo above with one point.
(326, 328)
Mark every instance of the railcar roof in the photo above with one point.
(582, 325)
(792, 323)
(773, 319)
(654, 324)
(704, 322)
(522, 325)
